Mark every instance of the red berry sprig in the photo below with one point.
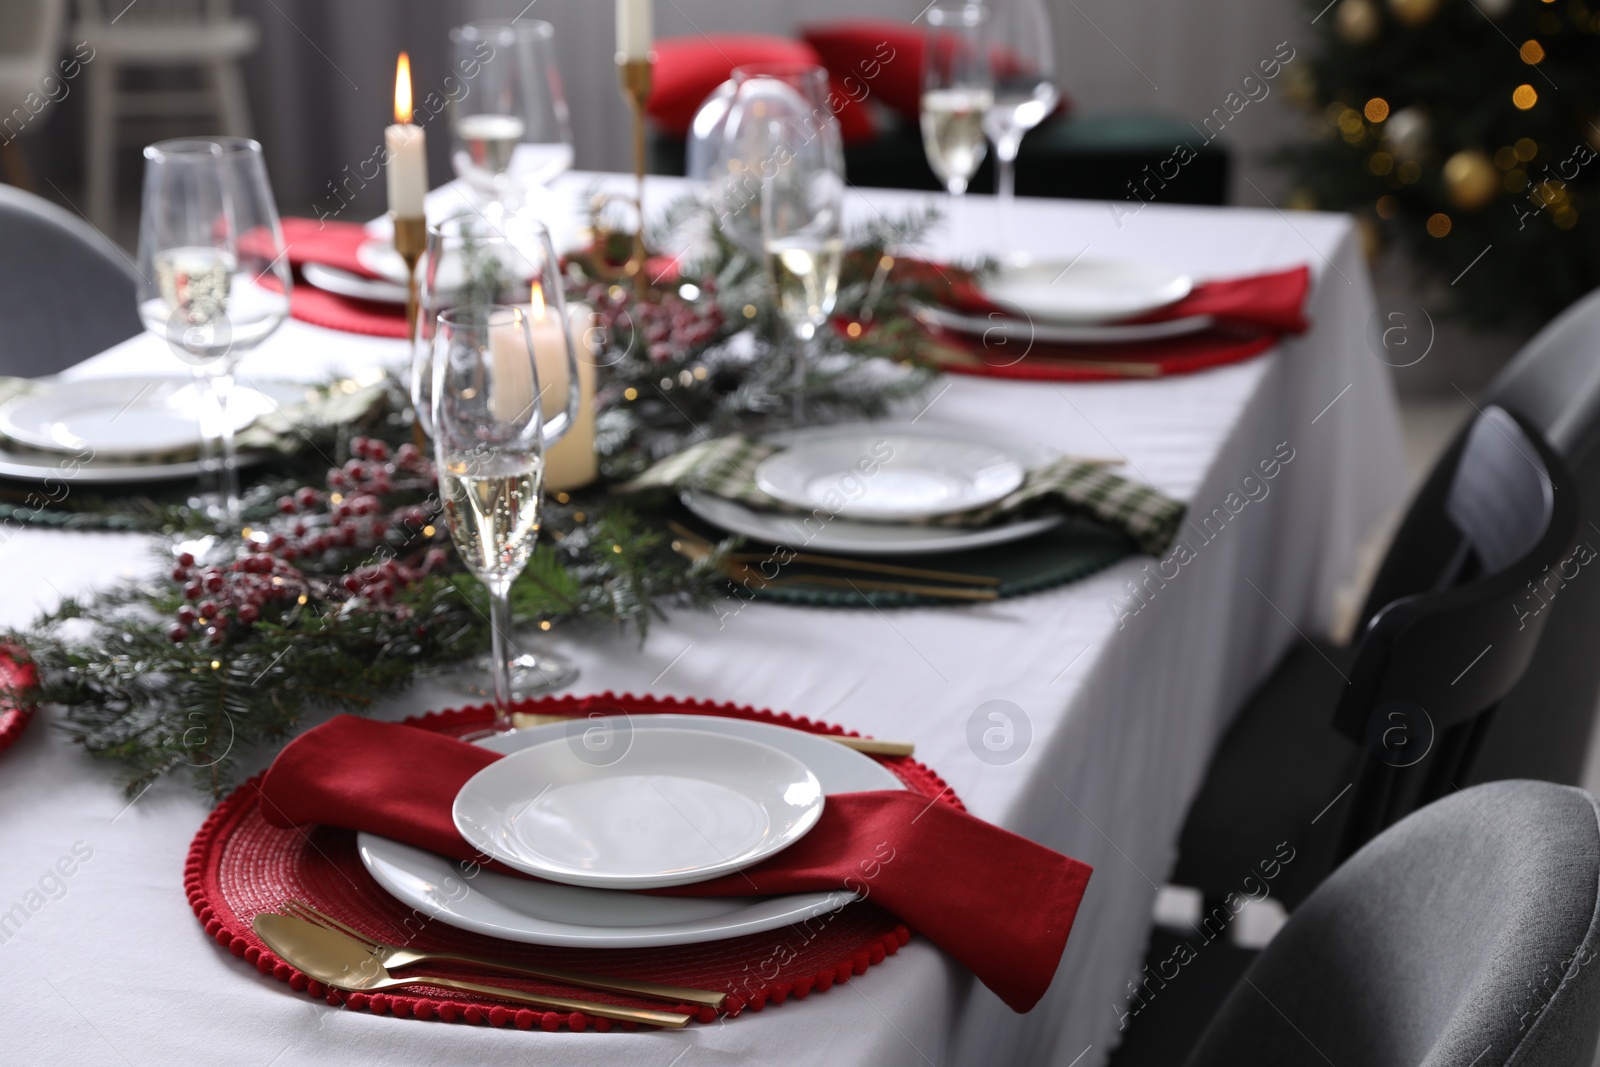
(670, 328)
(292, 559)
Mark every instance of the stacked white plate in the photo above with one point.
(603, 805)
(126, 429)
(875, 489)
(1079, 301)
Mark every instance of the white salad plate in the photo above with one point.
(669, 808)
(545, 913)
(128, 418)
(886, 477)
(1085, 291)
(348, 283)
(1000, 327)
(826, 529)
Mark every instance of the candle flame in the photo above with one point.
(402, 89)
(536, 298)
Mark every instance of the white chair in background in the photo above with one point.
(201, 34)
(30, 39)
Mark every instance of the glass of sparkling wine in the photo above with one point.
(213, 282)
(801, 198)
(510, 129)
(957, 92)
(489, 442)
(474, 261)
(1022, 52)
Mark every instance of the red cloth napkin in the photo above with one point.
(334, 244)
(998, 903)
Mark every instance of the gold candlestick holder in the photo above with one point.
(410, 240)
(635, 75)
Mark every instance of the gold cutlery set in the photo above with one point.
(743, 567)
(340, 956)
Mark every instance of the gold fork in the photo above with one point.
(394, 956)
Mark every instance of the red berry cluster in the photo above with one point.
(218, 596)
(670, 328)
(349, 515)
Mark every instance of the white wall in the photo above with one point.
(1177, 57)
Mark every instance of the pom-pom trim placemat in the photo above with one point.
(239, 866)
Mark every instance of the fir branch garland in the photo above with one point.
(343, 591)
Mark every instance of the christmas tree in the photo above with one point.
(1468, 132)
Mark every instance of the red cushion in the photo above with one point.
(688, 68)
(878, 57)
(881, 60)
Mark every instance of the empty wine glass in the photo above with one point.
(778, 188)
(473, 261)
(957, 92)
(510, 130)
(489, 445)
(1022, 56)
(213, 281)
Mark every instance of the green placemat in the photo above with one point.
(1071, 551)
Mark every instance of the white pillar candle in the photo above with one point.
(407, 165)
(571, 462)
(633, 29)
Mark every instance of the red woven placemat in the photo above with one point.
(17, 676)
(240, 866)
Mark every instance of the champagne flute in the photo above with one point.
(489, 444)
(1022, 53)
(470, 261)
(213, 281)
(510, 131)
(780, 188)
(957, 91)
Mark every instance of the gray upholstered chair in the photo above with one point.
(1466, 934)
(69, 292)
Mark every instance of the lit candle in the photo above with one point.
(633, 29)
(571, 461)
(407, 167)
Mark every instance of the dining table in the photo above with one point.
(1112, 691)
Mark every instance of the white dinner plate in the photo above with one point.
(831, 532)
(125, 417)
(1005, 328)
(347, 283)
(885, 477)
(670, 808)
(1086, 290)
(544, 913)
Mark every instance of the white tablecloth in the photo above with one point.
(108, 965)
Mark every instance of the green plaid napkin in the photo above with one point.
(726, 466)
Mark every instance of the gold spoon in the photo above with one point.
(336, 960)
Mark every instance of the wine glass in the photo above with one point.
(957, 92)
(1022, 56)
(510, 131)
(213, 281)
(471, 261)
(780, 192)
(474, 259)
(489, 444)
